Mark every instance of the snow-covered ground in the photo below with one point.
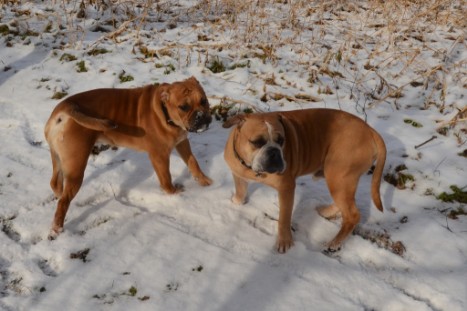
(128, 246)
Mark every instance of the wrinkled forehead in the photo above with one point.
(189, 89)
(266, 128)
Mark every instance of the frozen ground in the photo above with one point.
(129, 246)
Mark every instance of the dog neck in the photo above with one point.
(239, 158)
(167, 117)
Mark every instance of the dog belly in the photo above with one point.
(134, 143)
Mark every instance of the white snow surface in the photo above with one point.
(197, 250)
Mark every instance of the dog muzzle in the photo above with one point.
(270, 161)
(200, 122)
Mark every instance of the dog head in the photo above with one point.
(259, 141)
(186, 105)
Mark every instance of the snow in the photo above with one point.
(140, 249)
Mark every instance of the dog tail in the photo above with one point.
(87, 121)
(378, 171)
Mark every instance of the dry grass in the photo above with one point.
(373, 51)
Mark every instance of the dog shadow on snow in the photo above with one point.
(256, 289)
(92, 203)
(205, 147)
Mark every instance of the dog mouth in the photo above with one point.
(200, 129)
(271, 162)
(200, 122)
(276, 169)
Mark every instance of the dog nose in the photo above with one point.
(200, 122)
(199, 116)
(274, 161)
(202, 117)
(274, 154)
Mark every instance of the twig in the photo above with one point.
(447, 224)
(454, 121)
(113, 192)
(426, 142)
(113, 34)
(296, 98)
(459, 117)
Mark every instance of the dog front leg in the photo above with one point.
(161, 164)
(241, 190)
(184, 149)
(284, 235)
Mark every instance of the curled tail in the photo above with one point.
(378, 172)
(87, 121)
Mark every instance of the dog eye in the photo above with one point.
(184, 107)
(204, 102)
(258, 143)
(280, 140)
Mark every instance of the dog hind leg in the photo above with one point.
(343, 190)
(328, 211)
(72, 186)
(56, 182)
(69, 165)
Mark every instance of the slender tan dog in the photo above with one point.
(275, 148)
(153, 119)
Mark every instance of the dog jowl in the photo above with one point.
(152, 119)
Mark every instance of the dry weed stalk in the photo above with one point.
(330, 40)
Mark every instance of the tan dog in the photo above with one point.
(153, 119)
(275, 148)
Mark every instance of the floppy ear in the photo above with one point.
(282, 119)
(164, 93)
(192, 78)
(235, 120)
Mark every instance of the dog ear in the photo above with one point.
(193, 79)
(281, 118)
(164, 93)
(235, 120)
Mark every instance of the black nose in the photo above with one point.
(274, 154)
(274, 162)
(203, 118)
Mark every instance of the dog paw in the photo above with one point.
(332, 253)
(333, 247)
(283, 245)
(204, 181)
(237, 200)
(54, 233)
(174, 189)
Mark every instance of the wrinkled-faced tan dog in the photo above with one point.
(275, 148)
(153, 119)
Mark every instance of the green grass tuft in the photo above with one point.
(81, 67)
(458, 195)
(413, 123)
(132, 291)
(216, 66)
(125, 78)
(95, 52)
(4, 30)
(59, 95)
